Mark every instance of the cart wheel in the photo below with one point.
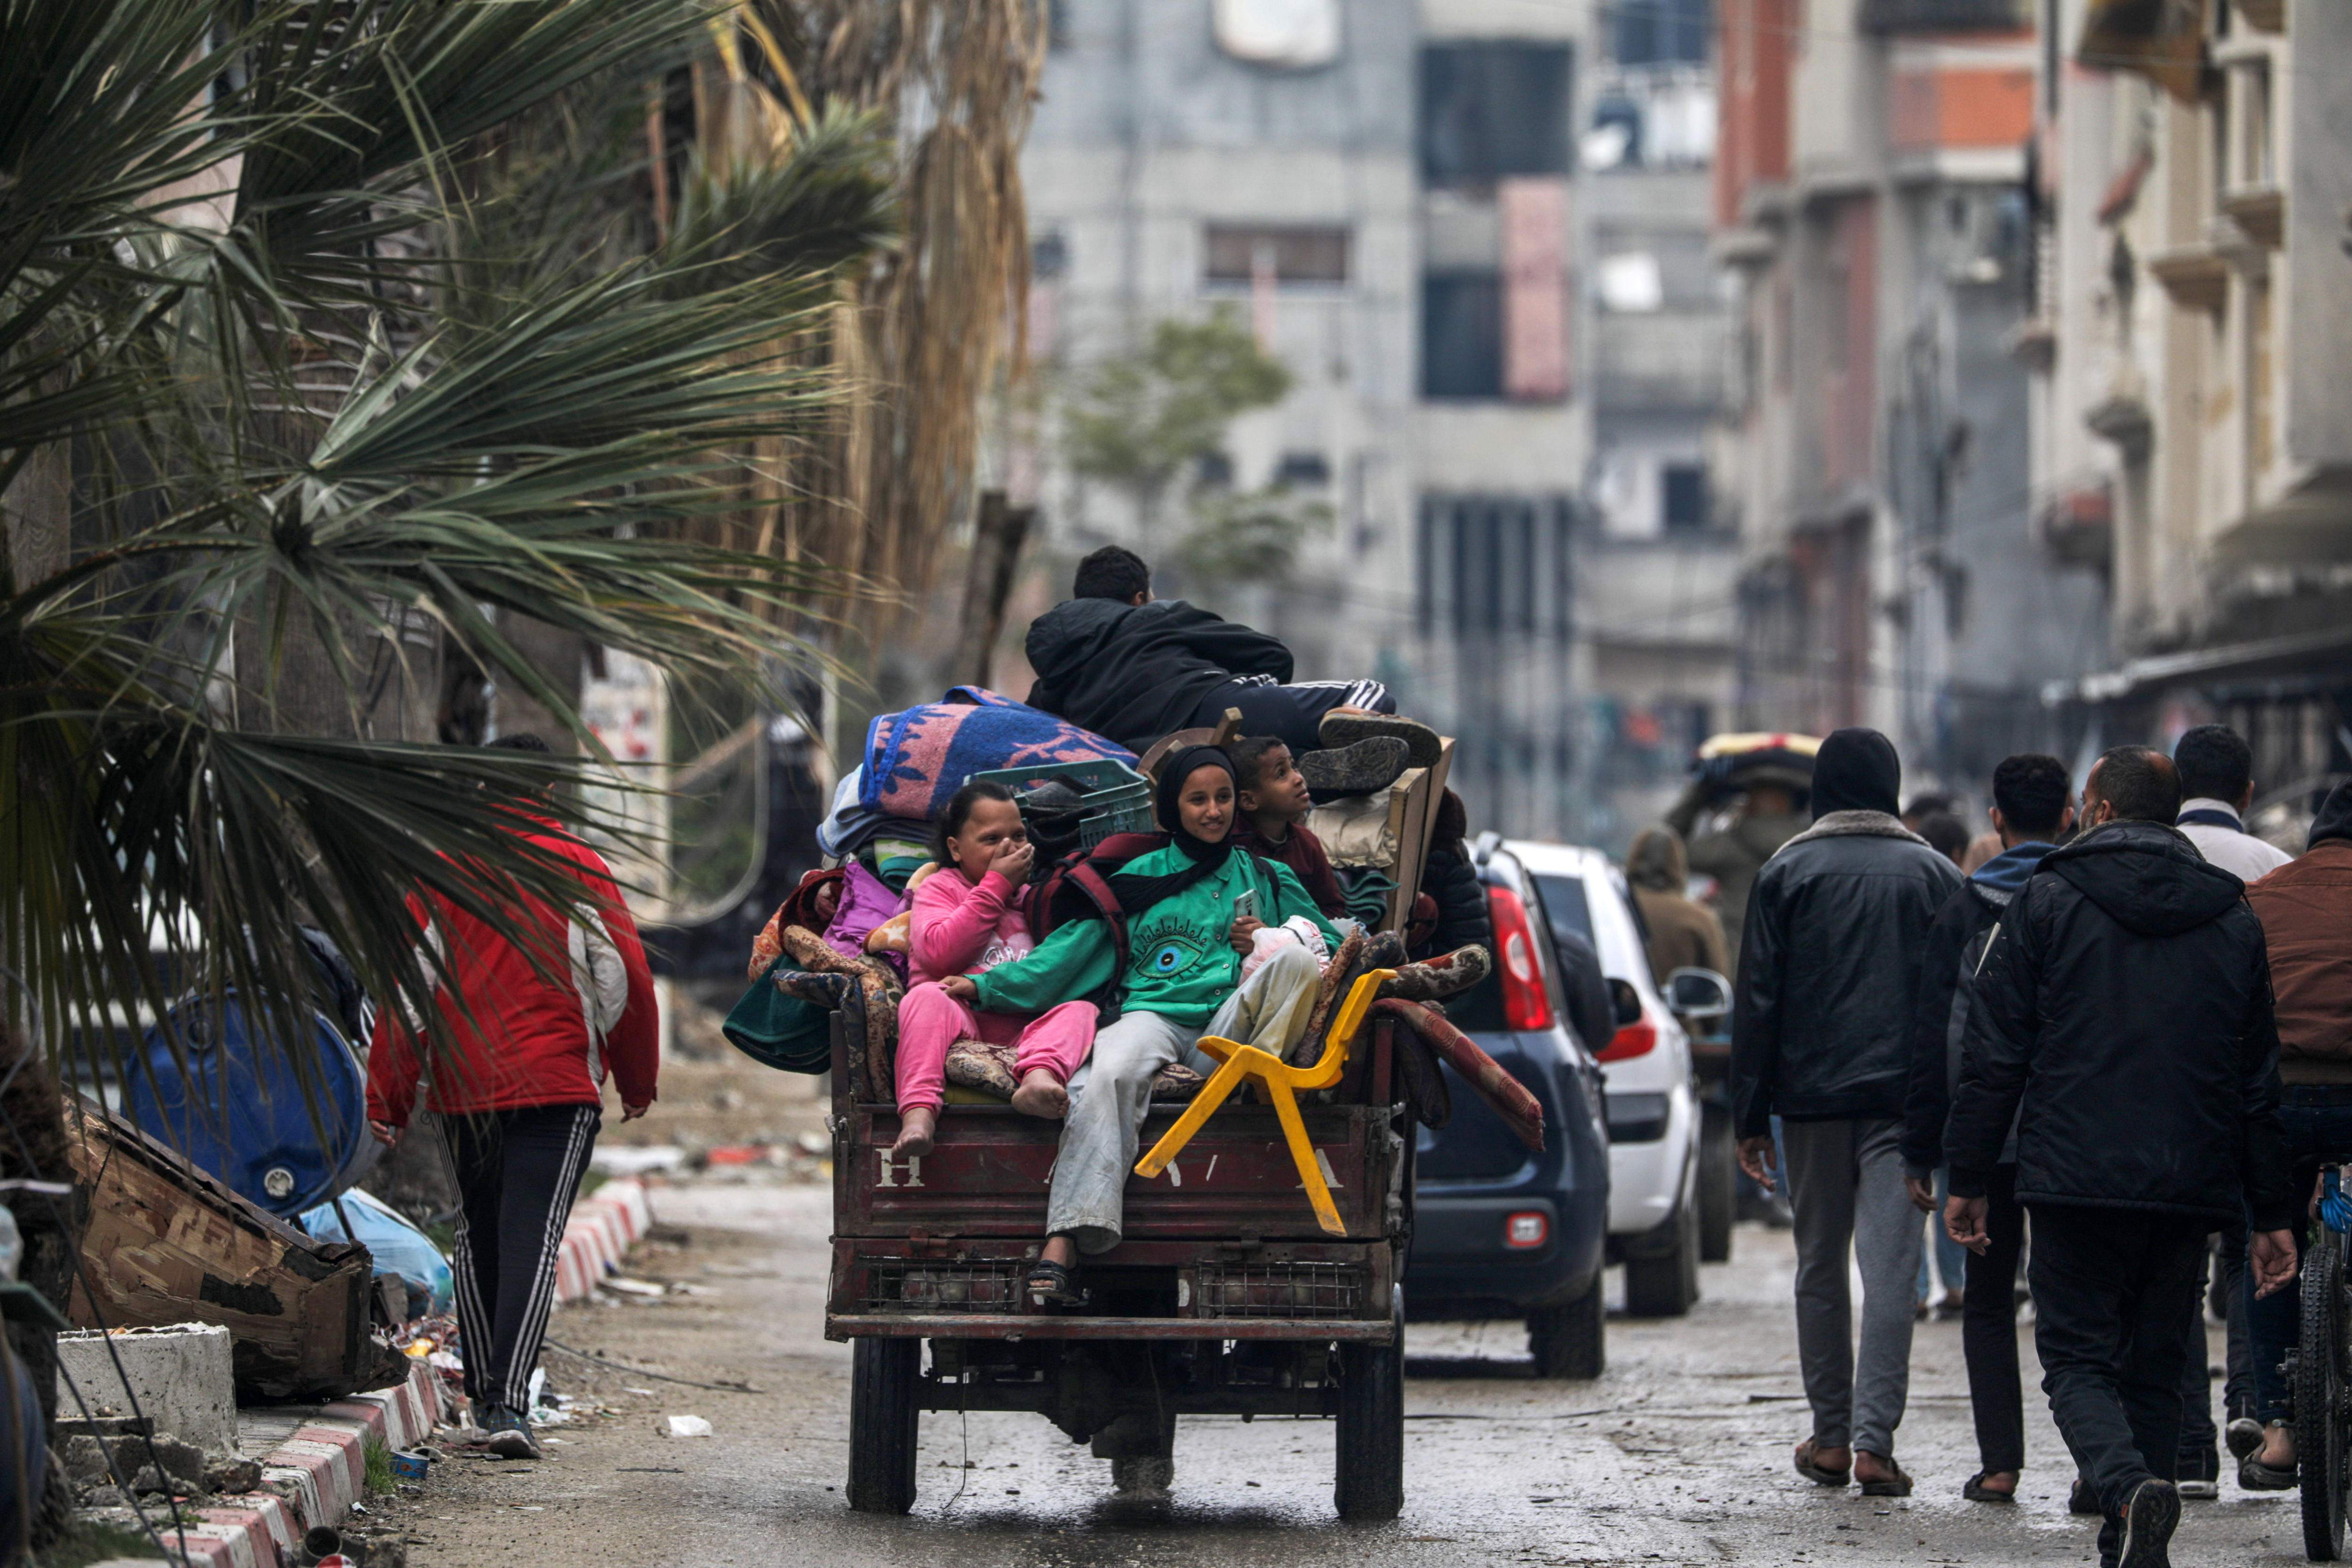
(2319, 1416)
(882, 1424)
(1370, 1482)
(1719, 1184)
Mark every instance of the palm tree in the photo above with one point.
(291, 402)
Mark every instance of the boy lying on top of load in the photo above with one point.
(1113, 660)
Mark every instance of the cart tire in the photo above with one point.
(882, 1377)
(1369, 1483)
(1572, 1340)
(2319, 1413)
(1719, 1184)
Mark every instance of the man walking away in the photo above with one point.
(2306, 907)
(2123, 1021)
(519, 1095)
(1828, 978)
(2217, 778)
(1113, 660)
(2032, 804)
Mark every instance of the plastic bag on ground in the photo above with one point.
(396, 1246)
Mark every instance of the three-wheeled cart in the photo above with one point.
(1225, 1295)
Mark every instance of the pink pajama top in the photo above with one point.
(960, 927)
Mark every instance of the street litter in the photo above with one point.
(622, 1161)
(688, 1426)
(628, 1286)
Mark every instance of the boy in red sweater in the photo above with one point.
(520, 1100)
(1274, 803)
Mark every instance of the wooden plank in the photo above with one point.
(1412, 812)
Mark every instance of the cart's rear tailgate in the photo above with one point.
(990, 1169)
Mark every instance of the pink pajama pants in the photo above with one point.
(930, 1021)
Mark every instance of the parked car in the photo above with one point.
(1651, 1100)
(1500, 1232)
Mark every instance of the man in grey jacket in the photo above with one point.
(1837, 925)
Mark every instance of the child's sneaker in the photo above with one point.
(508, 1435)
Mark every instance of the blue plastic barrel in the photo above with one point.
(231, 1100)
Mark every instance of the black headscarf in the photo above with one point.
(2335, 818)
(1856, 770)
(1202, 859)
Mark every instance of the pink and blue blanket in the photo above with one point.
(916, 760)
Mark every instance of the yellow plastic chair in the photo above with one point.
(1280, 1080)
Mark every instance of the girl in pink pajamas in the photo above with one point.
(964, 920)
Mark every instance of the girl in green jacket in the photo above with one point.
(1190, 923)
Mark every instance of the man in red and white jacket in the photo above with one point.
(519, 1099)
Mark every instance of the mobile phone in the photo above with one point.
(1245, 906)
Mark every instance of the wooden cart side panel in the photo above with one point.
(989, 1172)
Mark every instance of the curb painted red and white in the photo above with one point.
(602, 1226)
(311, 1478)
(314, 1477)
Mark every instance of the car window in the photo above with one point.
(1563, 902)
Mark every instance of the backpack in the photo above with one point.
(1080, 882)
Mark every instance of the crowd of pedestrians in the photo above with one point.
(2109, 1060)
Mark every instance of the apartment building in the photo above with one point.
(1390, 194)
(2193, 432)
(1661, 562)
(1873, 212)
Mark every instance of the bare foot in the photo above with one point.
(1042, 1094)
(915, 1129)
(2278, 1446)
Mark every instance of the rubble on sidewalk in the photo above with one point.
(299, 1470)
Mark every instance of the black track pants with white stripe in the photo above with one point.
(517, 1172)
(1290, 713)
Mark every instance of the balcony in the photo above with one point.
(1658, 360)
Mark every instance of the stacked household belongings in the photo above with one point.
(840, 940)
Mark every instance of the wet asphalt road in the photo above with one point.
(1678, 1455)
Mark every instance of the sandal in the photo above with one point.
(1054, 1284)
(1820, 1475)
(1896, 1484)
(1975, 1491)
(2254, 1476)
(2082, 1500)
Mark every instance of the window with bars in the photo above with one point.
(1495, 565)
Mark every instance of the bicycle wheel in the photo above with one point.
(2319, 1362)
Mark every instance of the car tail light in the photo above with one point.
(1527, 1228)
(1638, 1038)
(1525, 1005)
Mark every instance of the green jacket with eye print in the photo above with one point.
(1181, 961)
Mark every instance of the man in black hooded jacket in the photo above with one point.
(1829, 970)
(2123, 1018)
(1113, 660)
